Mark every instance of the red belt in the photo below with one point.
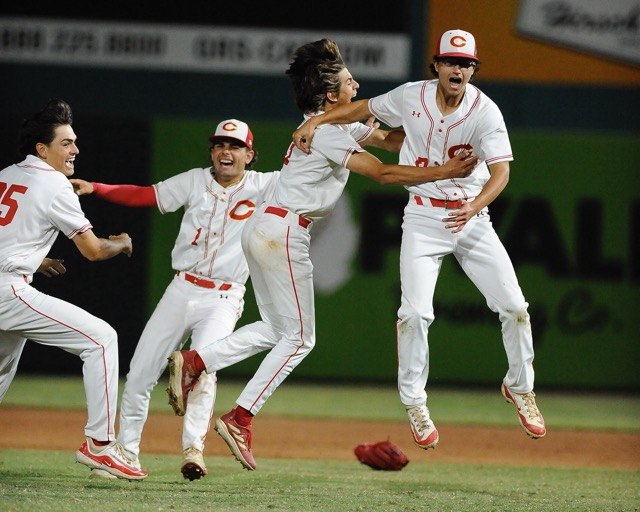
(440, 203)
(281, 212)
(203, 283)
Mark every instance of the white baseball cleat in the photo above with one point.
(528, 412)
(111, 459)
(425, 434)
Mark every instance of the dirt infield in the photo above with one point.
(326, 439)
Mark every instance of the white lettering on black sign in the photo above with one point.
(186, 48)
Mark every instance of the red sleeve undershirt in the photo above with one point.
(126, 195)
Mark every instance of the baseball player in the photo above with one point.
(205, 298)
(276, 242)
(37, 202)
(442, 117)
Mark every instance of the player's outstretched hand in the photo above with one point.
(81, 187)
(127, 247)
(52, 267)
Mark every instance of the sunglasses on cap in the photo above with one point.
(451, 62)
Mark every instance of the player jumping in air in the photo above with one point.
(441, 118)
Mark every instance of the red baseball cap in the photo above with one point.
(457, 43)
(234, 129)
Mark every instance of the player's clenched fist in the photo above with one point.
(125, 239)
(81, 187)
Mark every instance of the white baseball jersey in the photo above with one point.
(36, 202)
(208, 245)
(433, 139)
(276, 241)
(311, 184)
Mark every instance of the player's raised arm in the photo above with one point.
(348, 113)
(126, 195)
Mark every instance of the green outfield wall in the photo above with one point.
(571, 229)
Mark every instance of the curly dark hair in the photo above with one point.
(314, 72)
(41, 126)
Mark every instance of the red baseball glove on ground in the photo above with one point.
(382, 455)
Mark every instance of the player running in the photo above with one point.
(36, 203)
(441, 118)
(205, 298)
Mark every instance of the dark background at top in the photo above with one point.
(287, 15)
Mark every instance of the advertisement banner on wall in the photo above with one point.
(588, 42)
(611, 29)
(200, 49)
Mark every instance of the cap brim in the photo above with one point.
(227, 138)
(459, 55)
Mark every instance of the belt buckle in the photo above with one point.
(195, 280)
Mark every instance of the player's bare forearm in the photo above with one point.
(394, 140)
(390, 140)
(349, 113)
(390, 174)
(98, 249)
(494, 185)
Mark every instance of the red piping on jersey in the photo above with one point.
(426, 111)
(224, 223)
(82, 229)
(347, 156)
(367, 134)
(500, 158)
(473, 106)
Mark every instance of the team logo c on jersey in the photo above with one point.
(454, 150)
(242, 210)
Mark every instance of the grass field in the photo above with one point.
(47, 480)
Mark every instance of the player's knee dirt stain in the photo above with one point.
(523, 317)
